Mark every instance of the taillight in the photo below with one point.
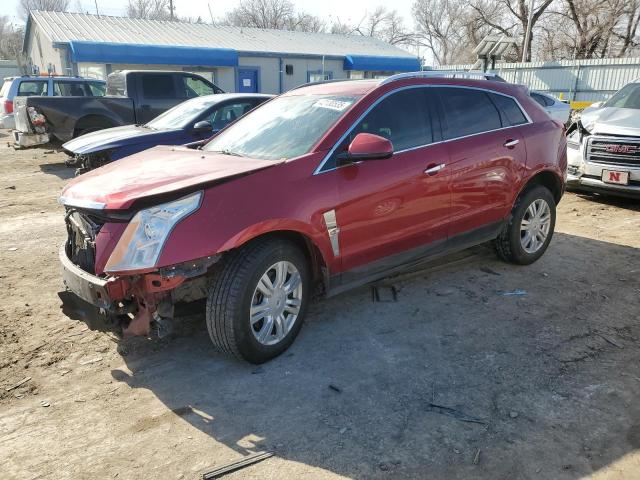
(8, 106)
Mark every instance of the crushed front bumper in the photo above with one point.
(100, 292)
(23, 140)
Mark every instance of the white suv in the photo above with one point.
(603, 148)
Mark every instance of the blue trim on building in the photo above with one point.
(103, 52)
(381, 64)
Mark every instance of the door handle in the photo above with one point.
(433, 169)
(511, 143)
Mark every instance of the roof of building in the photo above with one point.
(61, 27)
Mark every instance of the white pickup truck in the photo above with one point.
(603, 147)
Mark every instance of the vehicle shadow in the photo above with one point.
(482, 370)
(58, 169)
(612, 200)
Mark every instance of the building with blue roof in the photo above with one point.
(236, 59)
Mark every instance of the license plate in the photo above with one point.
(613, 176)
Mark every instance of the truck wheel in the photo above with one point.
(527, 235)
(257, 300)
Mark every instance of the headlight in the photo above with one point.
(141, 243)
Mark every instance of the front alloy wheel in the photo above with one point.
(276, 301)
(257, 299)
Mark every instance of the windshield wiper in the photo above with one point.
(228, 152)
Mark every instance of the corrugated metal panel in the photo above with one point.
(64, 27)
(580, 80)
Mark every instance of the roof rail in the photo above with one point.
(472, 74)
(322, 82)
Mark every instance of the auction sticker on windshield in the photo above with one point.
(337, 105)
(612, 176)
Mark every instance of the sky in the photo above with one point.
(348, 11)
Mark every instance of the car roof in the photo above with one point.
(362, 87)
(223, 97)
(53, 77)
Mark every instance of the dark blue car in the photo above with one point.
(191, 121)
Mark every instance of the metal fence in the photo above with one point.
(575, 80)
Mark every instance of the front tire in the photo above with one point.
(257, 300)
(530, 229)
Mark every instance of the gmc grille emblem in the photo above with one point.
(616, 148)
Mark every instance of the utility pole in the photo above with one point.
(171, 10)
(97, 12)
(527, 36)
(210, 14)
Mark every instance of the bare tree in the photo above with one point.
(49, 5)
(149, 9)
(11, 37)
(387, 25)
(446, 29)
(511, 17)
(276, 14)
(627, 33)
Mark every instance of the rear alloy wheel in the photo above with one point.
(530, 229)
(257, 300)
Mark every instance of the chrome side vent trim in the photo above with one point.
(333, 230)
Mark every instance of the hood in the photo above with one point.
(116, 137)
(157, 171)
(612, 121)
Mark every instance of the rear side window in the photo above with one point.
(97, 89)
(158, 86)
(29, 88)
(70, 89)
(511, 113)
(467, 112)
(403, 117)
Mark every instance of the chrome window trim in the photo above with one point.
(320, 170)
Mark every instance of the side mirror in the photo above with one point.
(202, 126)
(367, 146)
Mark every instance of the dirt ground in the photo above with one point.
(456, 379)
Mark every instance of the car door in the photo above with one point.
(486, 156)
(389, 207)
(157, 93)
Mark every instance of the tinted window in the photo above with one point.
(70, 89)
(98, 89)
(195, 87)
(467, 112)
(158, 86)
(542, 100)
(509, 109)
(403, 118)
(32, 87)
(223, 116)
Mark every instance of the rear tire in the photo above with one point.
(526, 236)
(236, 300)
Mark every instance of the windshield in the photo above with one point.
(627, 97)
(283, 128)
(181, 115)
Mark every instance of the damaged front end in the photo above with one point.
(109, 262)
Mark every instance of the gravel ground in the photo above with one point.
(453, 380)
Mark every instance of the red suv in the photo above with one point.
(323, 188)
